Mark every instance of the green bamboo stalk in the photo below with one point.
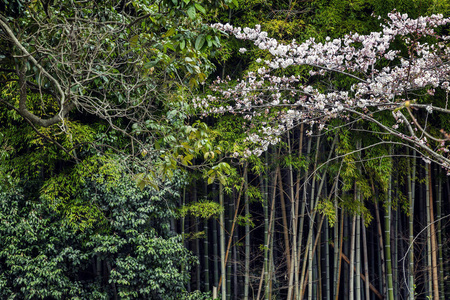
(387, 232)
(206, 246)
(394, 240)
(272, 230)
(294, 213)
(285, 222)
(236, 259)
(271, 238)
(434, 250)
(352, 259)
(411, 188)
(439, 234)
(196, 242)
(366, 261)
(229, 232)
(346, 249)
(305, 263)
(215, 247)
(446, 266)
(337, 246)
(317, 290)
(183, 203)
(311, 223)
(429, 277)
(264, 192)
(338, 279)
(327, 261)
(222, 244)
(358, 256)
(247, 239)
(206, 255)
(298, 284)
(296, 245)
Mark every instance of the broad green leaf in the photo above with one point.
(169, 46)
(169, 32)
(200, 8)
(222, 179)
(191, 12)
(134, 40)
(200, 41)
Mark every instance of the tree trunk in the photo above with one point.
(326, 259)
(433, 240)
(411, 188)
(299, 284)
(264, 192)
(294, 214)
(358, 256)
(387, 238)
(338, 279)
(222, 244)
(215, 246)
(381, 246)
(439, 234)
(228, 249)
(352, 259)
(285, 222)
(247, 239)
(429, 273)
(366, 261)
(311, 223)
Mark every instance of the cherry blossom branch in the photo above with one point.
(414, 139)
(273, 104)
(423, 130)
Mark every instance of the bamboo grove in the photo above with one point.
(157, 150)
(325, 213)
(306, 225)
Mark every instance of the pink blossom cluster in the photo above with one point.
(383, 77)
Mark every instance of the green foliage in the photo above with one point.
(379, 166)
(246, 220)
(356, 207)
(202, 209)
(42, 256)
(297, 162)
(254, 194)
(327, 208)
(39, 255)
(197, 295)
(65, 192)
(219, 171)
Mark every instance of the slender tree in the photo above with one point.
(387, 239)
(411, 194)
(247, 237)
(222, 244)
(366, 260)
(434, 250)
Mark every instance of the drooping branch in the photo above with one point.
(22, 80)
(33, 60)
(25, 113)
(272, 104)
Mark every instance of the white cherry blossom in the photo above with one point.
(384, 78)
